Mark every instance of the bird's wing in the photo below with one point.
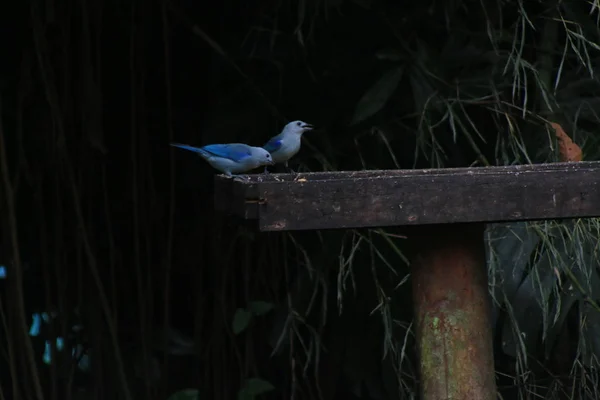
(274, 143)
(234, 151)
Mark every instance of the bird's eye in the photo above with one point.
(299, 123)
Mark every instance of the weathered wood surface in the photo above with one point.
(329, 200)
(452, 312)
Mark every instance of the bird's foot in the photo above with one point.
(244, 178)
(266, 171)
(289, 170)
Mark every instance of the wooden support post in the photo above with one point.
(451, 303)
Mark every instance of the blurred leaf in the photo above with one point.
(530, 304)
(254, 387)
(241, 319)
(510, 247)
(363, 3)
(260, 307)
(185, 394)
(173, 342)
(590, 330)
(333, 3)
(389, 55)
(244, 395)
(422, 91)
(590, 335)
(569, 297)
(570, 294)
(377, 96)
(509, 251)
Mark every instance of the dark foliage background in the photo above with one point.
(112, 234)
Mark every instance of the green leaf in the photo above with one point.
(389, 55)
(530, 304)
(244, 395)
(185, 394)
(260, 307)
(364, 3)
(258, 386)
(378, 95)
(241, 319)
(255, 386)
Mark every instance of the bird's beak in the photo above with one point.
(308, 127)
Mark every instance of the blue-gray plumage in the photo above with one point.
(232, 158)
(285, 145)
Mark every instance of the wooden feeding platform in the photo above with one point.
(447, 210)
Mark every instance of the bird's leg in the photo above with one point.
(266, 171)
(288, 168)
(241, 177)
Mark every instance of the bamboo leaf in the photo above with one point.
(254, 387)
(186, 394)
(241, 319)
(378, 95)
(259, 308)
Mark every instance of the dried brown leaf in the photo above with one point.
(569, 150)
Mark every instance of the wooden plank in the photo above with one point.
(416, 197)
(335, 175)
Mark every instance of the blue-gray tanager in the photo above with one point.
(232, 158)
(285, 145)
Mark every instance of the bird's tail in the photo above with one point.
(198, 150)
